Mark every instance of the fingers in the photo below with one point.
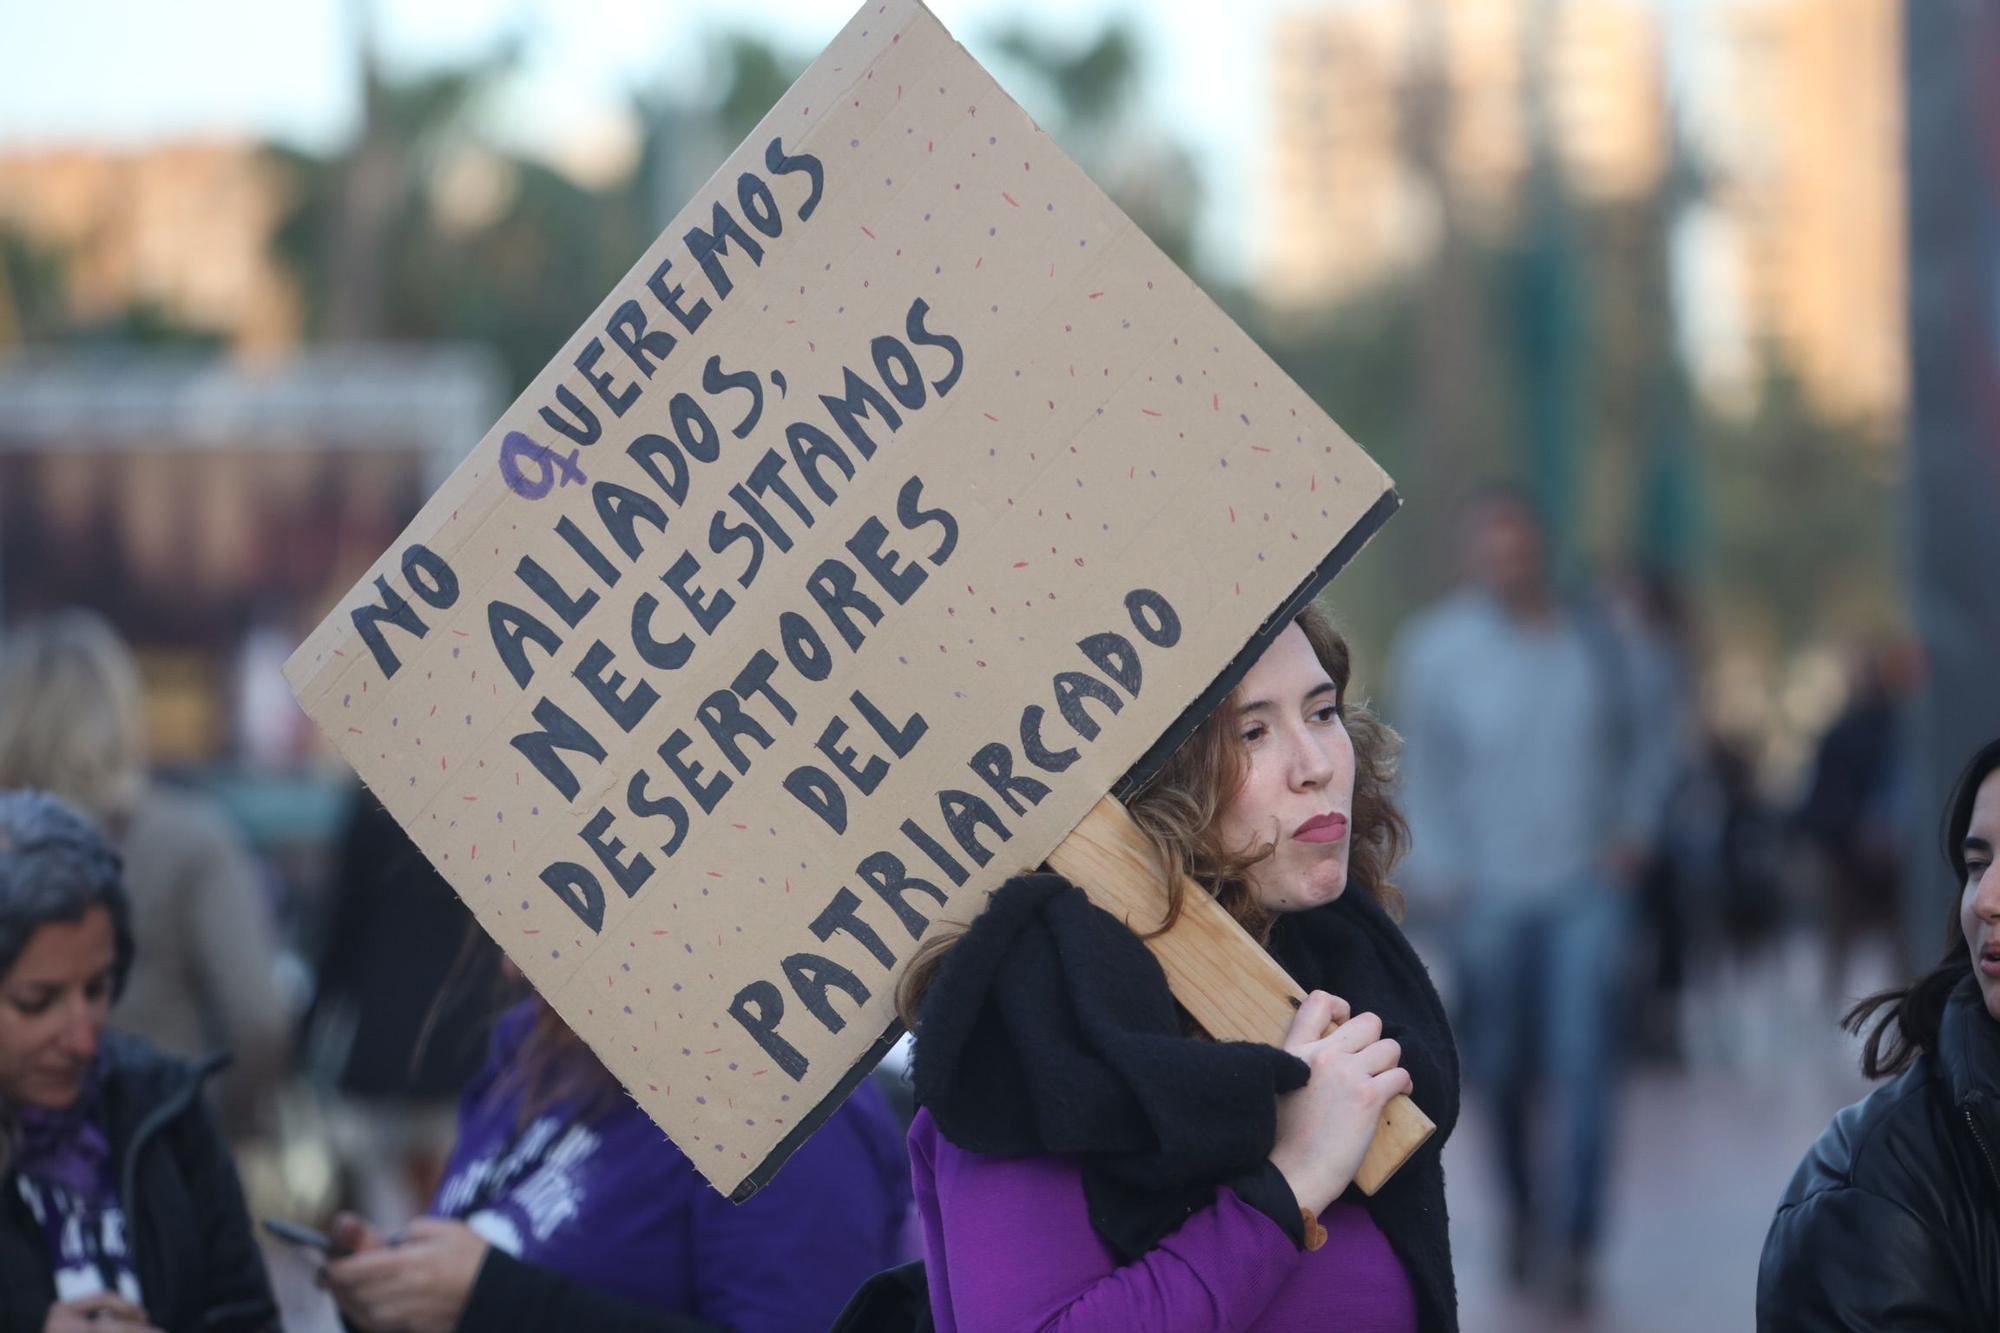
(1318, 1012)
(1392, 1083)
(1356, 1034)
(108, 1306)
(351, 1235)
(363, 1276)
(429, 1228)
(1379, 1057)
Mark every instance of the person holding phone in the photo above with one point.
(564, 1207)
(119, 1206)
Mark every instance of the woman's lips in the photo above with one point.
(1321, 828)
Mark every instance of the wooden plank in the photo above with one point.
(1222, 977)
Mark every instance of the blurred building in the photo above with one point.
(1794, 109)
(186, 229)
(1362, 89)
(215, 511)
(1388, 112)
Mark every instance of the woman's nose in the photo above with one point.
(82, 1029)
(1312, 766)
(1986, 902)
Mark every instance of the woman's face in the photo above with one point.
(1298, 785)
(1979, 899)
(53, 1003)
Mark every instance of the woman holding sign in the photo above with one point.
(1084, 1158)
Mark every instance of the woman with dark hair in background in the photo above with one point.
(564, 1207)
(1085, 1159)
(119, 1207)
(1893, 1220)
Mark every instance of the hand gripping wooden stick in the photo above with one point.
(1221, 976)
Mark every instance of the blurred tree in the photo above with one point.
(36, 307)
(1094, 90)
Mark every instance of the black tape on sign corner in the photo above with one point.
(1156, 755)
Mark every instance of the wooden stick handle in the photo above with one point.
(1221, 976)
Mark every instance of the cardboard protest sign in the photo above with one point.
(897, 501)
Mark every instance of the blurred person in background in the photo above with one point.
(1536, 778)
(72, 722)
(393, 930)
(119, 1207)
(1893, 1219)
(1651, 610)
(1851, 816)
(564, 1207)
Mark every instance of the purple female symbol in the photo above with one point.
(554, 467)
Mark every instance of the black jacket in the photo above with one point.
(187, 1229)
(1893, 1220)
(510, 1296)
(1050, 1029)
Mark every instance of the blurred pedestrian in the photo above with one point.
(1084, 1159)
(118, 1203)
(393, 931)
(1651, 611)
(1893, 1219)
(1536, 781)
(563, 1207)
(72, 722)
(1852, 815)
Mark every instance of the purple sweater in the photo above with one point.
(1008, 1245)
(614, 1205)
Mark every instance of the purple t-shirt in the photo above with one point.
(614, 1204)
(1008, 1245)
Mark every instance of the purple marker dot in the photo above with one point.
(628, 1008)
(454, 654)
(854, 143)
(524, 904)
(990, 139)
(992, 231)
(996, 310)
(701, 1101)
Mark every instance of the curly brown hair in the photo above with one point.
(1180, 811)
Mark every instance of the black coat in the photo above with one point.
(1893, 1220)
(186, 1227)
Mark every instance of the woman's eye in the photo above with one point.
(1253, 733)
(1326, 713)
(39, 1005)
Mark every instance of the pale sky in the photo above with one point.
(143, 71)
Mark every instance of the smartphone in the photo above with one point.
(304, 1237)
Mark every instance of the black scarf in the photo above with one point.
(1050, 1030)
